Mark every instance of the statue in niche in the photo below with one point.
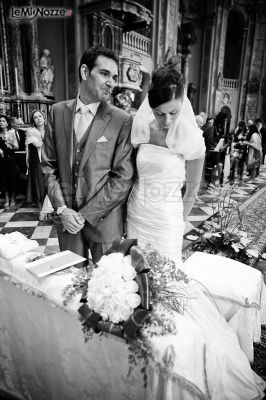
(46, 73)
(226, 98)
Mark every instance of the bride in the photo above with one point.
(170, 151)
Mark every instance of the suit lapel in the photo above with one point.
(69, 114)
(96, 130)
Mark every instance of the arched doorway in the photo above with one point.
(233, 45)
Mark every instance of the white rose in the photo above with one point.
(115, 317)
(91, 300)
(131, 286)
(129, 273)
(121, 313)
(102, 262)
(107, 292)
(115, 259)
(125, 313)
(114, 281)
(127, 261)
(104, 316)
(109, 309)
(133, 300)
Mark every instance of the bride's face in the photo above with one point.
(167, 113)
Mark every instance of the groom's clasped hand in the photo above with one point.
(72, 221)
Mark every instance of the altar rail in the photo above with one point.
(25, 107)
(231, 84)
(137, 42)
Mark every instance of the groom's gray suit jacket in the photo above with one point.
(105, 173)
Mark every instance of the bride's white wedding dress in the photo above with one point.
(155, 216)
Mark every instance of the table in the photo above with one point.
(43, 355)
(238, 291)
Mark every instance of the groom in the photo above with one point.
(87, 159)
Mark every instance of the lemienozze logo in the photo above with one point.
(26, 12)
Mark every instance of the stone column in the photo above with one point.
(34, 56)
(165, 34)
(33, 49)
(16, 56)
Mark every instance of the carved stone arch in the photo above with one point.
(108, 36)
(241, 13)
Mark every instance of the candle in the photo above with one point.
(16, 79)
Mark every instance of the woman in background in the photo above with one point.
(239, 150)
(254, 152)
(8, 166)
(35, 188)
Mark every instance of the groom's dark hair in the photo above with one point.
(90, 55)
(167, 84)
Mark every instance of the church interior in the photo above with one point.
(218, 45)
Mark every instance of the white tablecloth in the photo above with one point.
(238, 291)
(43, 355)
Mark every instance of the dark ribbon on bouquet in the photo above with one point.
(93, 320)
(90, 317)
(142, 313)
(135, 322)
(141, 266)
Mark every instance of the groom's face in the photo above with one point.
(167, 113)
(101, 80)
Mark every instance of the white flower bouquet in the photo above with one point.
(130, 294)
(112, 289)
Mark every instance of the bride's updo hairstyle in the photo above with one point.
(167, 84)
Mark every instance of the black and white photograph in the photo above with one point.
(132, 200)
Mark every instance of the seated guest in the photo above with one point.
(19, 132)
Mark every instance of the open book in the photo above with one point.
(53, 263)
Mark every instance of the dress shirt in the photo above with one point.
(83, 117)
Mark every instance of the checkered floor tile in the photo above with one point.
(25, 219)
(242, 192)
